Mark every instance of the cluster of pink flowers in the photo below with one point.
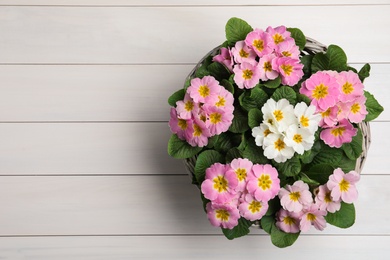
(339, 98)
(263, 55)
(207, 110)
(300, 211)
(238, 189)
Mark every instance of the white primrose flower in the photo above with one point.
(275, 148)
(260, 133)
(300, 139)
(307, 116)
(278, 115)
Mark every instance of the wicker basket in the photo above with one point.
(311, 47)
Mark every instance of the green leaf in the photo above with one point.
(306, 61)
(354, 149)
(373, 107)
(254, 98)
(291, 167)
(240, 230)
(352, 68)
(223, 142)
(303, 98)
(204, 201)
(306, 179)
(218, 71)
(287, 93)
(236, 30)
(267, 222)
(187, 83)
(180, 149)
(204, 161)
(273, 83)
(299, 37)
(232, 154)
(320, 173)
(177, 96)
(344, 218)
(254, 153)
(202, 71)
(282, 239)
(240, 121)
(346, 164)
(333, 59)
(227, 85)
(273, 206)
(364, 72)
(328, 155)
(255, 117)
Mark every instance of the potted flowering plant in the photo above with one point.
(273, 128)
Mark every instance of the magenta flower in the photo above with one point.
(178, 126)
(290, 69)
(279, 34)
(259, 41)
(263, 183)
(246, 75)
(325, 201)
(197, 133)
(219, 184)
(242, 53)
(225, 57)
(350, 85)
(288, 221)
(242, 168)
(313, 216)
(218, 121)
(288, 49)
(224, 216)
(204, 89)
(322, 89)
(252, 209)
(186, 107)
(342, 186)
(356, 110)
(338, 135)
(266, 70)
(295, 197)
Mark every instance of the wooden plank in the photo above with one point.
(191, 247)
(116, 148)
(142, 205)
(111, 92)
(160, 34)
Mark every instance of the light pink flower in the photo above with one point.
(290, 69)
(356, 110)
(242, 53)
(329, 117)
(350, 86)
(197, 133)
(186, 107)
(279, 34)
(313, 216)
(263, 183)
(242, 168)
(266, 70)
(295, 197)
(288, 221)
(252, 209)
(178, 126)
(218, 121)
(342, 186)
(338, 135)
(224, 216)
(246, 75)
(219, 184)
(224, 100)
(204, 89)
(322, 89)
(288, 48)
(225, 57)
(259, 41)
(325, 201)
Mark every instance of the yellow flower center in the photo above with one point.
(189, 105)
(294, 196)
(203, 118)
(328, 198)
(338, 131)
(243, 53)
(298, 138)
(267, 132)
(288, 69)
(320, 91)
(311, 217)
(304, 121)
(182, 124)
(278, 115)
(215, 118)
(286, 54)
(267, 66)
(220, 184)
(197, 130)
(221, 102)
(204, 91)
(278, 38)
(264, 182)
(247, 74)
(270, 121)
(325, 113)
(355, 108)
(254, 206)
(289, 221)
(344, 185)
(347, 88)
(222, 214)
(241, 174)
(279, 145)
(259, 45)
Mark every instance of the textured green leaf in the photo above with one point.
(291, 167)
(354, 149)
(373, 107)
(334, 59)
(254, 153)
(299, 37)
(286, 93)
(255, 117)
(320, 172)
(218, 71)
(273, 83)
(282, 239)
(177, 96)
(240, 230)
(227, 85)
(253, 98)
(306, 61)
(224, 142)
(364, 72)
(233, 154)
(180, 149)
(204, 161)
(267, 222)
(236, 30)
(344, 218)
(240, 121)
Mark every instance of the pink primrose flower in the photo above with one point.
(246, 75)
(225, 216)
(279, 34)
(266, 70)
(218, 121)
(224, 100)
(356, 110)
(291, 70)
(288, 48)
(263, 183)
(242, 168)
(219, 184)
(204, 89)
(178, 126)
(313, 216)
(197, 133)
(295, 197)
(252, 209)
(338, 135)
(322, 89)
(329, 117)
(342, 186)
(260, 42)
(350, 86)
(242, 53)
(186, 107)
(325, 201)
(225, 57)
(288, 221)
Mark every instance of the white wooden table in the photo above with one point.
(83, 127)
